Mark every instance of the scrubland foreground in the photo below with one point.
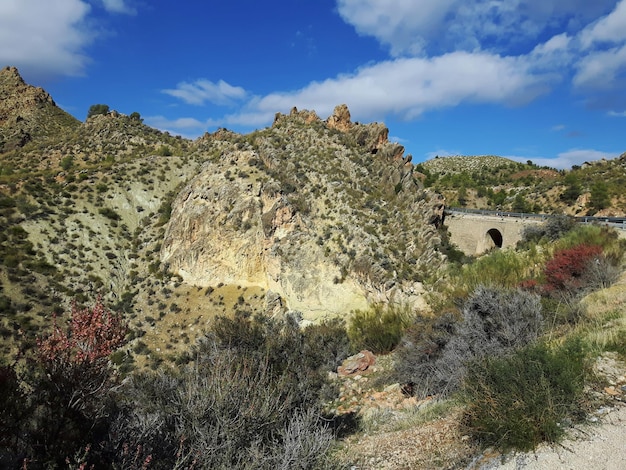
(518, 356)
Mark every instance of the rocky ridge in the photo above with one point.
(317, 216)
(328, 214)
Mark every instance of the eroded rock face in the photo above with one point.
(317, 217)
(247, 233)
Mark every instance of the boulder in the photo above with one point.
(358, 363)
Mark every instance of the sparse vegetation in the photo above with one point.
(380, 328)
(222, 376)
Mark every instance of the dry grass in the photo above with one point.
(174, 331)
(606, 314)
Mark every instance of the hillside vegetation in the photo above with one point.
(167, 303)
(489, 182)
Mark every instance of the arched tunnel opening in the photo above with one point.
(496, 237)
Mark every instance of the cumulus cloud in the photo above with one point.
(44, 38)
(587, 46)
(408, 87)
(601, 69)
(202, 91)
(565, 160)
(436, 26)
(445, 53)
(609, 29)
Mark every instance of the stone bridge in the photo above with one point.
(475, 232)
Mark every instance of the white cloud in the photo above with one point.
(41, 37)
(617, 113)
(609, 29)
(601, 69)
(415, 26)
(408, 87)
(601, 59)
(202, 91)
(118, 6)
(401, 24)
(565, 160)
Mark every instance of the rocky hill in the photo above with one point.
(328, 214)
(318, 216)
(490, 182)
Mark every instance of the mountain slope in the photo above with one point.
(310, 215)
(489, 182)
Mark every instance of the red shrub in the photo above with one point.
(567, 267)
(93, 334)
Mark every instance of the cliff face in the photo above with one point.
(327, 214)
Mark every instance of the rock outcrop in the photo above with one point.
(329, 221)
(340, 119)
(27, 113)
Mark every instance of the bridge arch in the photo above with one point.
(494, 236)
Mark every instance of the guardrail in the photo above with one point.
(616, 222)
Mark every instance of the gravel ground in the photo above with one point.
(598, 446)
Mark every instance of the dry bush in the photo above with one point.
(250, 398)
(433, 355)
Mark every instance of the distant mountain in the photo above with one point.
(489, 182)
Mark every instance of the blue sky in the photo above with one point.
(540, 80)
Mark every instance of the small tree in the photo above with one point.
(599, 196)
(72, 383)
(95, 109)
(573, 188)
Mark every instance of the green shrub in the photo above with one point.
(520, 400)
(499, 269)
(164, 151)
(552, 229)
(379, 328)
(109, 213)
(95, 109)
(67, 162)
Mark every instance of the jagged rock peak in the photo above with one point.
(340, 119)
(10, 73)
(26, 112)
(220, 134)
(304, 117)
(12, 83)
